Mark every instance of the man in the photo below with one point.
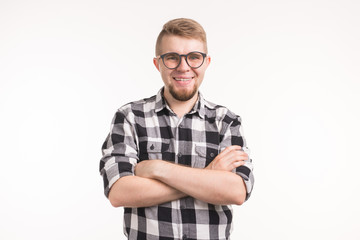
(175, 161)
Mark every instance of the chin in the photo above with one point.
(183, 96)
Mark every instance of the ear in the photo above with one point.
(156, 63)
(207, 61)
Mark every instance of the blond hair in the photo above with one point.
(183, 27)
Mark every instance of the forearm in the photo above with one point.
(134, 191)
(212, 186)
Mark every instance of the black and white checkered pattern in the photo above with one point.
(149, 129)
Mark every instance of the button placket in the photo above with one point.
(180, 147)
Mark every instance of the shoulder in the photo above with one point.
(137, 108)
(221, 113)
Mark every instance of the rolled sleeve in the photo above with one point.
(119, 152)
(233, 135)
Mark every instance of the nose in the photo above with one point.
(183, 66)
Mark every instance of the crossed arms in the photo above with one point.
(158, 181)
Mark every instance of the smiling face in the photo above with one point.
(183, 82)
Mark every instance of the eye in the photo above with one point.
(171, 57)
(194, 56)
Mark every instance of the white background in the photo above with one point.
(289, 68)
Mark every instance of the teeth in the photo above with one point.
(182, 79)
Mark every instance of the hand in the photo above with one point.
(147, 168)
(230, 158)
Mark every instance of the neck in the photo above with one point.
(181, 108)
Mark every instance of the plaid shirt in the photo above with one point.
(149, 129)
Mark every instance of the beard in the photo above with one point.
(182, 96)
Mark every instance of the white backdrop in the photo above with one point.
(289, 68)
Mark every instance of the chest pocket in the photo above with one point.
(205, 155)
(149, 150)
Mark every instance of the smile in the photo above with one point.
(183, 79)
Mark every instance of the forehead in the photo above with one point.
(182, 45)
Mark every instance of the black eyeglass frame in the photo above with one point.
(186, 60)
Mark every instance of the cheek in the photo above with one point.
(199, 72)
(165, 75)
(162, 70)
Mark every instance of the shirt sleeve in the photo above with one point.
(119, 152)
(233, 135)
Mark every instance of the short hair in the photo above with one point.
(183, 27)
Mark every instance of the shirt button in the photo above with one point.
(179, 155)
(212, 154)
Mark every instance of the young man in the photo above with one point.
(175, 161)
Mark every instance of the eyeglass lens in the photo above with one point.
(194, 60)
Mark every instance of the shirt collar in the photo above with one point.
(199, 106)
(160, 102)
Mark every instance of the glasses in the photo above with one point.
(172, 60)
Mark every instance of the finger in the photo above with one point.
(235, 155)
(228, 157)
(242, 153)
(234, 147)
(227, 161)
(229, 149)
(238, 164)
